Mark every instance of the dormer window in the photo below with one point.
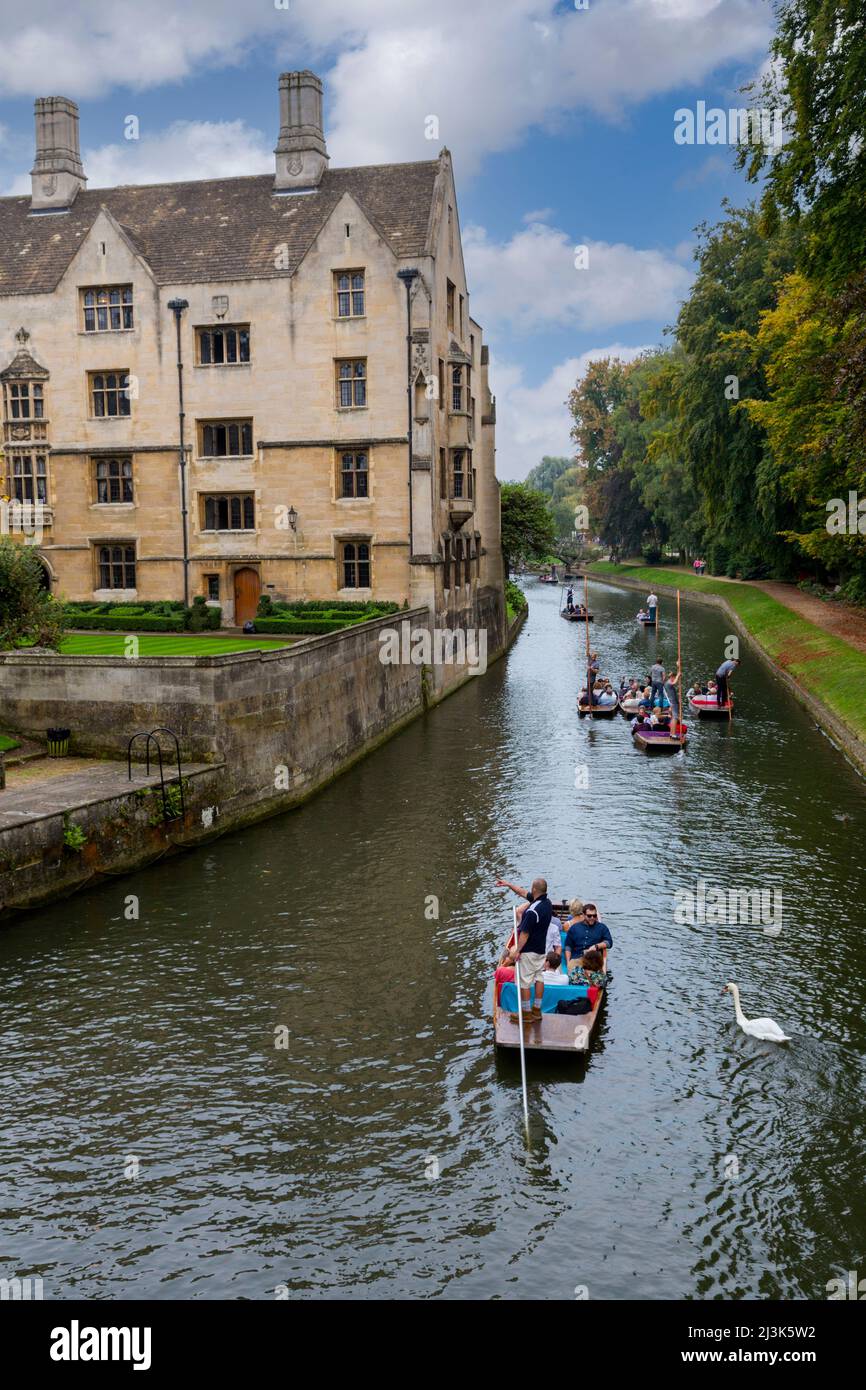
(107, 309)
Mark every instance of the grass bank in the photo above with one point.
(822, 665)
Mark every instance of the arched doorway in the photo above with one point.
(44, 575)
(248, 586)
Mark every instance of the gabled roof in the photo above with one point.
(215, 229)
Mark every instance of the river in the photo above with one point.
(159, 1143)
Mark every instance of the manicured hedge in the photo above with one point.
(167, 616)
(108, 622)
(306, 627)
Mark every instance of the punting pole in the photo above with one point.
(680, 669)
(520, 1031)
(586, 627)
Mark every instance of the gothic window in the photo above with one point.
(223, 346)
(355, 564)
(350, 294)
(107, 309)
(29, 478)
(113, 479)
(225, 438)
(352, 383)
(24, 401)
(109, 394)
(234, 511)
(458, 474)
(116, 566)
(354, 474)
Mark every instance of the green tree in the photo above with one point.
(818, 176)
(527, 525)
(27, 613)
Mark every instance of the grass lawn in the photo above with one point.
(164, 644)
(7, 743)
(822, 664)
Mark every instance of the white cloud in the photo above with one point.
(185, 149)
(489, 71)
(532, 421)
(531, 282)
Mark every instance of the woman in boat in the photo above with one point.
(606, 696)
(589, 969)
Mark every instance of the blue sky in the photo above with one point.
(560, 122)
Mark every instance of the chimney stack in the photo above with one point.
(301, 153)
(57, 174)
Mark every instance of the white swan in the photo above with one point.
(764, 1028)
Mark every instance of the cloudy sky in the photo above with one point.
(560, 120)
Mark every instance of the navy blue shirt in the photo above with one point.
(580, 936)
(535, 921)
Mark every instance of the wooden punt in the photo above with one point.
(708, 707)
(552, 1032)
(661, 742)
(598, 711)
(629, 707)
(577, 617)
(646, 622)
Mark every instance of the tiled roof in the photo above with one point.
(214, 229)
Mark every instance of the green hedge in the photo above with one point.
(167, 616)
(108, 622)
(307, 627)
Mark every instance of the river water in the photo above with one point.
(158, 1143)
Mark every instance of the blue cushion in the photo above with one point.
(550, 999)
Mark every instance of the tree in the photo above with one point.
(527, 525)
(27, 613)
(818, 176)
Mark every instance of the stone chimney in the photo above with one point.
(302, 156)
(57, 174)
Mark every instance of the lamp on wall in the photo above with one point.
(293, 518)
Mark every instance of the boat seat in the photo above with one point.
(550, 999)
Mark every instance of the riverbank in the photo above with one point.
(823, 672)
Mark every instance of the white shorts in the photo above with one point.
(530, 968)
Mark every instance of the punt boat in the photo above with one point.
(708, 707)
(576, 617)
(598, 711)
(553, 1032)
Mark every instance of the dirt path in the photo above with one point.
(839, 619)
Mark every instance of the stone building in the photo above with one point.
(281, 305)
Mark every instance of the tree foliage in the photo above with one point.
(27, 613)
(527, 525)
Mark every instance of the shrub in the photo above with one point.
(652, 555)
(109, 622)
(27, 613)
(302, 627)
(515, 597)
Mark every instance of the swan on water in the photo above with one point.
(764, 1028)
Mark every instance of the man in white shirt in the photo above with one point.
(652, 604)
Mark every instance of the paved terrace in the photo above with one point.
(55, 786)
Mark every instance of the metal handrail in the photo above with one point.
(162, 729)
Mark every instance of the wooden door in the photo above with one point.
(248, 586)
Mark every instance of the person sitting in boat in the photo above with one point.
(712, 690)
(554, 935)
(606, 697)
(580, 936)
(589, 970)
(641, 723)
(553, 973)
(643, 616)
